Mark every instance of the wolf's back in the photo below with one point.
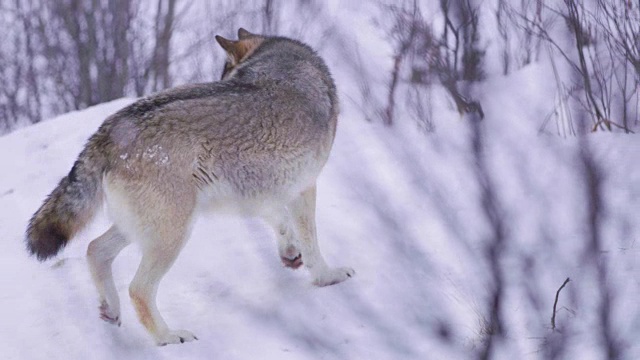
(70, 205)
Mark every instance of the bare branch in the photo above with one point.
(555, 304)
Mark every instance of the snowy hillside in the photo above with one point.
(398, 205)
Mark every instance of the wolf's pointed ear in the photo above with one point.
(243, 34)
(238, 50)
(226, 44)
(235, 49)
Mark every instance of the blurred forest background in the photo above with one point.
(59, 56)
(66, 55)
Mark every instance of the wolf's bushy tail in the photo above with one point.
(69, 207)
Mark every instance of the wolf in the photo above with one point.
(253, 142)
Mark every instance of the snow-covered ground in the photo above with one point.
(398, 205)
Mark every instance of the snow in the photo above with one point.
(399, 205)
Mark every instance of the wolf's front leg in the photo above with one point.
(288, 247)
(302, 211)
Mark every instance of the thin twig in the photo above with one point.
(555, 304)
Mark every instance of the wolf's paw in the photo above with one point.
(291, 257)
(175, 337)
(108, 315)
(334, 276)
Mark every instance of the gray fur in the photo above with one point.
(255, 142)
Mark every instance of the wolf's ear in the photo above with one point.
(243, 34)
(234, 49)
(226, 44)
(237, 50)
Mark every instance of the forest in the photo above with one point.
(531, 107)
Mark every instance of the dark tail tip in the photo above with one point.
(45, 241)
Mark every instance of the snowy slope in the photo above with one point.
(399, 206)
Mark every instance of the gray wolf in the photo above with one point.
(253, 142)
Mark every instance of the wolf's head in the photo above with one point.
(279, 62)
(238, 50)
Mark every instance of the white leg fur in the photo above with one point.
(100, 255)
(302, 211)
(159, 220)
(143, 290)
(161, 245)
(288, 247)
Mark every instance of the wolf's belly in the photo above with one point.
(253, 186)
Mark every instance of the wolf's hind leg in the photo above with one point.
(159, 251)
(288, 247)
(303, 210)
(100, 255)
